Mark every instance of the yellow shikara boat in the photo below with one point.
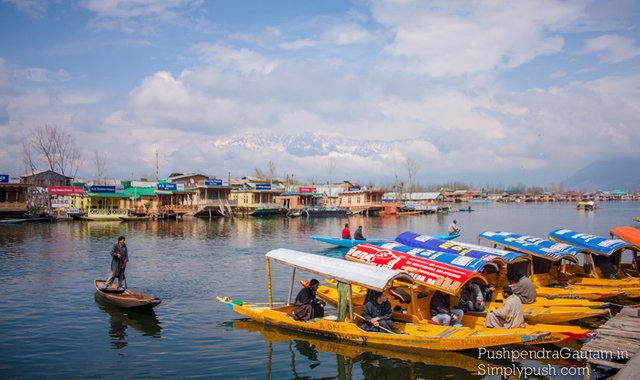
(343, 326)
(603, 267)
(551, 265)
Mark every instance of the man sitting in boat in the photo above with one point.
(377, 313)
(510, 315)
(440, 311)
(524, 288)
(471, 297)
(358, 234)
(453, 228)
(306, 305)
(346, 232)
(605, 265)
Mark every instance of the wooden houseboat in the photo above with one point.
(361, 200)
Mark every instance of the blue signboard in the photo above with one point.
(4, 178)
(103, 189)
(412, 239)
(167, 186)
(595, 244)
(213, 182)
(354, 188)
(531, 245)
(466, 262)
(263, 186)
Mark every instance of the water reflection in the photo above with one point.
(120, 320)
(373, 362)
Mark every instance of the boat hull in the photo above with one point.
(127, 299)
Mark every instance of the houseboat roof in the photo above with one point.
(370, 277)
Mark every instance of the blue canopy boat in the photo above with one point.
(348, 243)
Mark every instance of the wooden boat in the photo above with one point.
(12, 221)
(636, 219)
(439, 271)
(550, 260)
(343, 324)
(600, 252)
(126, 299)
(348, 243)
(134, 218)
(513, 261)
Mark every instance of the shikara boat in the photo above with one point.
(632, 236)
(636, 219)
(432, 276)
(513, 260)
(134, 218)
(126, 299)
(550, 262)
(344, 326)
(600, 252)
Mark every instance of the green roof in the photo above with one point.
(138, 191)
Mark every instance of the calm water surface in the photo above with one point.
(52, 327)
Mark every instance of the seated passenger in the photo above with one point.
(510, 315)
(471, 297)
(524, 288)
(605, 265)
(440, 312)
(377, 313)
(306, 305)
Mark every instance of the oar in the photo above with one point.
(380, 327)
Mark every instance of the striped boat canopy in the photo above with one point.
(531, 245)
(592, 243)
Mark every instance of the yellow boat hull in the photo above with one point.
(407, 335)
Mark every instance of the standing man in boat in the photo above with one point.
(453, 228)
(510, 315)
(346, 232)
(358, 234)
(119, 259)
(377, 313)
(524, 288)
(306, 305)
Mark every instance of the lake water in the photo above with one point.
(52, 327)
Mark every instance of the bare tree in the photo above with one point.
(412, 169)
(56, 147)
(101, 166)
(271, 167)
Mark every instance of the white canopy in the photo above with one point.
(370, 277)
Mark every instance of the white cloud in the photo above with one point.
(347, 34)
(612, 48)
(37, 74)
(34, 8)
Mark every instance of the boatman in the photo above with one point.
(306, 305)
(524, 288)
(377, 313)
(346, 232)
(453, 228)
(358, 234)
(510, 316)
(119, 259)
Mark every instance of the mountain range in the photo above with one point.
(618, 173)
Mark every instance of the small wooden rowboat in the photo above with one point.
(133, 218)
(126, 299)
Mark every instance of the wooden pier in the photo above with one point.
(616, 344)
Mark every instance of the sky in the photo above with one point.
(482, 92)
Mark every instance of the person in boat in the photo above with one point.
(605, 265)
(510, 315)
(524, 288)
(487, 290)
(471, 297)
(307, 306)
(377, 313)
(346, 232)
(441, 312)
(358, 234)
(453, 228)
(119, 259)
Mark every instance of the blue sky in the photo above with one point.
(475, 91)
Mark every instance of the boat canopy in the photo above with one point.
(413, 239)
(444, 277)
(531, 245)
(629, 234)
(367, 276)
(591, 243)
(466, 262)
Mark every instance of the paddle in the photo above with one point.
(379, 326)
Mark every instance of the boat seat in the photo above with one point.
(400, 294)
(330, 317)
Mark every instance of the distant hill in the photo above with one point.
(618, 173)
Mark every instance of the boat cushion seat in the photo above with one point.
(400, 294)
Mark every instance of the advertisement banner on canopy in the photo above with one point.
(465, 262)
(531, 245)
(595, 244)
(413, 239)
(443, 277)
(65, 190)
